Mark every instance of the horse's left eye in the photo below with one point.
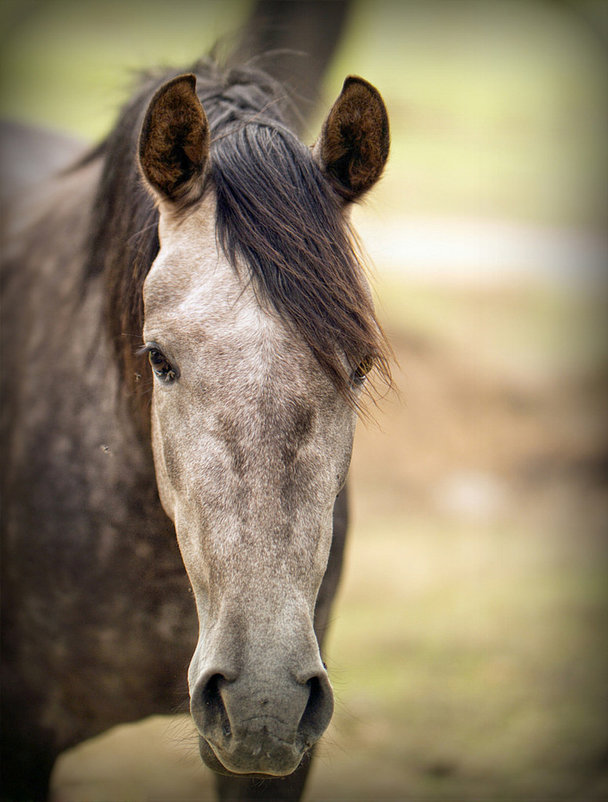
(161, 366)
(363, 368)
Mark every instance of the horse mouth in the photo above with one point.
(264, 759)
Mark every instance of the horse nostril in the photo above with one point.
(212, 707)
(318, 711)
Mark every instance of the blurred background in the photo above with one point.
(468, 647)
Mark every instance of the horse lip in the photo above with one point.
(210, 759)
(210, 754)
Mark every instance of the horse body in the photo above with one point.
(97, 617)
(240, 427)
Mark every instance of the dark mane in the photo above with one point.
(275, 211)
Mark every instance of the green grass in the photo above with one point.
(497, 108)
(71, 64)
(470, 669)
(528, 329)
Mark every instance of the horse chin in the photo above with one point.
(212, 761)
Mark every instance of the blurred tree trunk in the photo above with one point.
(591, 17)
(299, 39)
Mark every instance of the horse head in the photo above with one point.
(252, 420)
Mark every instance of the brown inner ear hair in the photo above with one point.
(355, 139)
(174, 142)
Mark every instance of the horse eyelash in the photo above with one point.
(147, 347)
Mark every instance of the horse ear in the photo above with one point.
(354, 142)
(174, 142)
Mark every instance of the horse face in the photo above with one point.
(251, 444)
(251, 441)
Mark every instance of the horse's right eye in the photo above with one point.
(161, 366)
(362, 369)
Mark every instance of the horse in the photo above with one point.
(189, 337)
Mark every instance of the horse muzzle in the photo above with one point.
(250, 728)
